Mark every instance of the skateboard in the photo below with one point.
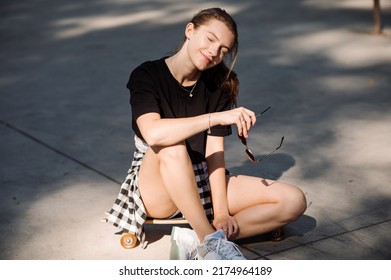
(129, 240)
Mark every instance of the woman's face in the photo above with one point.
(209, 43)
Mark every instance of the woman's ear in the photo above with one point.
(189, 30)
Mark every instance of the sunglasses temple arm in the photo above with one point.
(279, 146)
(263, 111)
(282, 140)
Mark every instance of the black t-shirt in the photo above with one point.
(154, 89)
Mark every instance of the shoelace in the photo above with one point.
(191, 254)
(228, 246)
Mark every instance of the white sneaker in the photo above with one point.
(184, 243)
(217, 247)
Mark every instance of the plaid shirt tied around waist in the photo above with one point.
(128, 212)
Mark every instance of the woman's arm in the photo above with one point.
(217, 178)
(164, 132)
(216, 167)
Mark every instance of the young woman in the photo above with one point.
(182, 107)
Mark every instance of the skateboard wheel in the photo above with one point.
(277, 235)
(128, 240)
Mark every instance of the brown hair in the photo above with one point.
(220, 75)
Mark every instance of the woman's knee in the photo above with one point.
(176, 153)
(295, 204)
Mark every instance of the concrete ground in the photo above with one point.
(66, 139)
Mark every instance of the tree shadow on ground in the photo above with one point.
(65, 66)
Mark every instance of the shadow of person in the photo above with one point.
(155, 233)
(300, 227)
(272, 167)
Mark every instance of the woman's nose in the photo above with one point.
(213, 50)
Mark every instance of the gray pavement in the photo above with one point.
(66, 139)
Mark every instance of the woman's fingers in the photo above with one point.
(230, 227)
(246, 120)
(242, 127)
(232, 231)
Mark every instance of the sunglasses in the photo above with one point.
(249, 153)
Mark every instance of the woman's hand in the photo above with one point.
(243, 118)
(228, 224)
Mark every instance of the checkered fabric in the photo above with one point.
(128, 212)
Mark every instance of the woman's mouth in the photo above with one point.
(207, 58)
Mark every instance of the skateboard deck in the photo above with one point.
(129, 240)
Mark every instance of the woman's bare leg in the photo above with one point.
(261, 206)
(167, 183)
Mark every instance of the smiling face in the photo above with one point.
(208, 44)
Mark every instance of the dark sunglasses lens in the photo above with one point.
(250, 155)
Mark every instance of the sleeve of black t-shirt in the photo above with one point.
(143, 95)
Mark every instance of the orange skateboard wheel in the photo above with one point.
(128, 240)
(277, 235)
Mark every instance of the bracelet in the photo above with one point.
(209, 131)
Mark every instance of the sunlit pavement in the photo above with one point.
(66, 138)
